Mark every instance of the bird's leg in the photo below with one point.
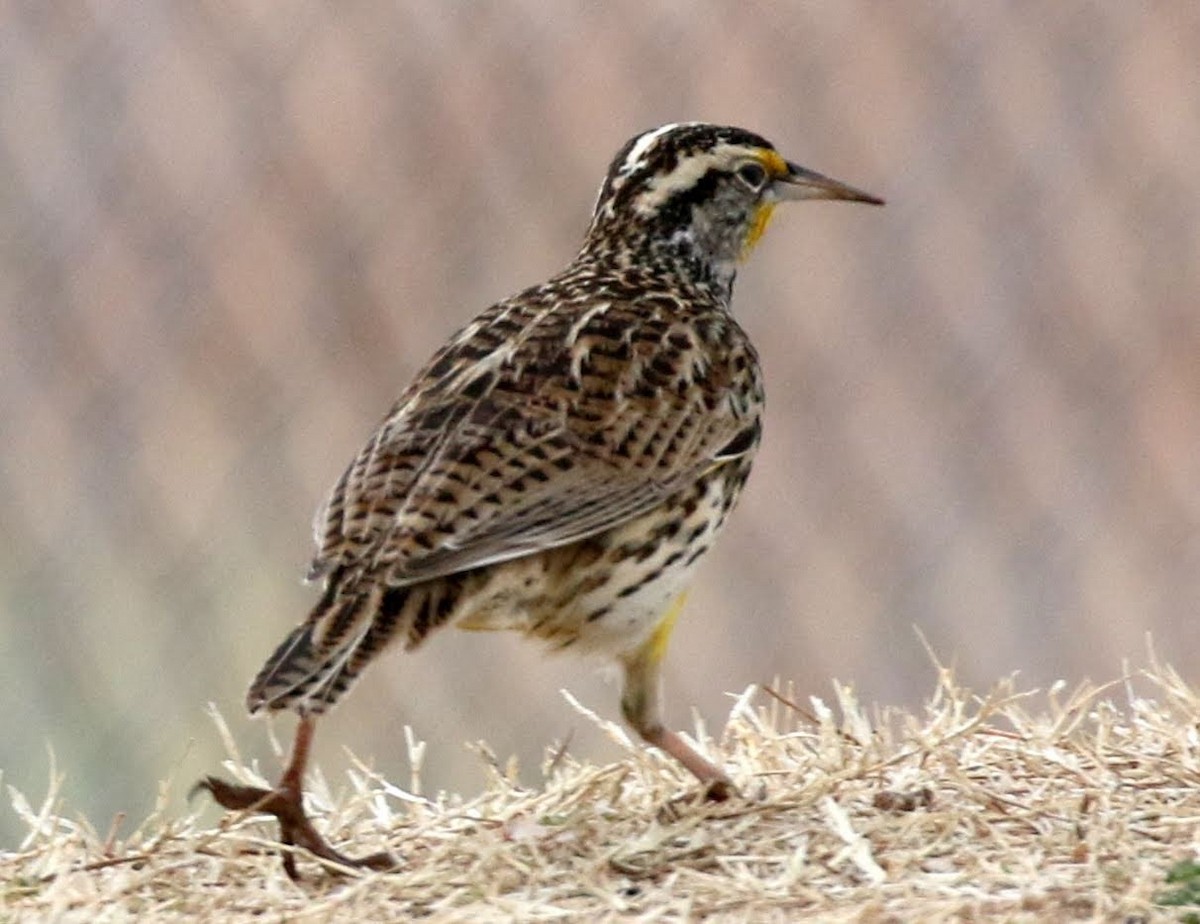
(286, 803)
(641, 704)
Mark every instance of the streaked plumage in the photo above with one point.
(561, 464)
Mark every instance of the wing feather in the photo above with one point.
(505, 447)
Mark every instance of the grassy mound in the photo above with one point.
(1010, 806)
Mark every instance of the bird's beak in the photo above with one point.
(799, 183)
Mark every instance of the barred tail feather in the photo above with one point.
(285, 669)
(297, 675)
(323, 656)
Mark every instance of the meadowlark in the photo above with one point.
(560, 466)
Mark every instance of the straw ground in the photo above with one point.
(1051, 806)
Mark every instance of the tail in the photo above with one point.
(322, 657)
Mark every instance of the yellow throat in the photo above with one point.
(758, 227)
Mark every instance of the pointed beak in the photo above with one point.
(800, 183)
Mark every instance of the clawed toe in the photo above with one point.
(236, 797)
(295, 829)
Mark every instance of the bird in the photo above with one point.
(560, 466)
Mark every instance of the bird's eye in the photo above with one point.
(753, 175)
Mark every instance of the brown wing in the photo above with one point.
(539, 426)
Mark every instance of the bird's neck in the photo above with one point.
(676, 261)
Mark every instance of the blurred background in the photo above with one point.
(230, 232)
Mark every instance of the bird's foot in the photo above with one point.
(720, 789)
(295, 829)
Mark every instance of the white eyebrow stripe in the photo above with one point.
(662, 188)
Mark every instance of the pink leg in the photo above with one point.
(641, 704)
(286, 803)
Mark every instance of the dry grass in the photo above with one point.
(1011, 806)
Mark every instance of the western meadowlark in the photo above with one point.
(559, 467)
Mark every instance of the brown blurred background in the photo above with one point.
(229, 232)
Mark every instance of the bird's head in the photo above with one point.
(698, 197)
